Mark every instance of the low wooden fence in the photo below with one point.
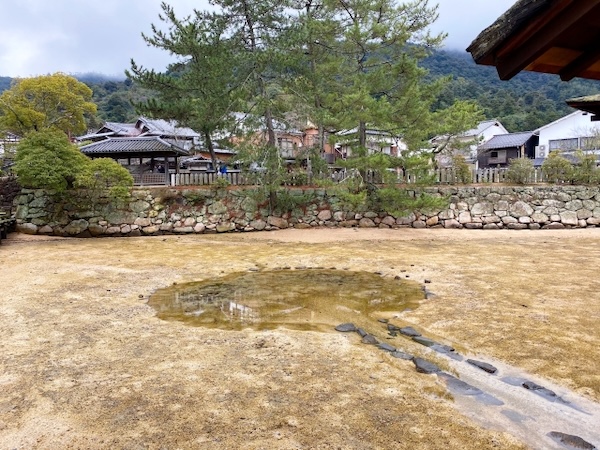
(441, 176)
(203, 178)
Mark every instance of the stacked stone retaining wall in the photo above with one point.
(208, 210)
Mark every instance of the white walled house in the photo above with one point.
(472, 139)
(574, 132)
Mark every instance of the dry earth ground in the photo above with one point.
(84, 362)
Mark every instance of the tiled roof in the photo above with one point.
(133, 145)
(506, 141)
(166, 128)
(481, 127)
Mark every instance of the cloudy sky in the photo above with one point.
(77, 36)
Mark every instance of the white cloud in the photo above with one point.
(42, 36)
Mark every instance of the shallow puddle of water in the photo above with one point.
(313, 299)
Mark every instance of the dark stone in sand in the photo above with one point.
(382, 320)
(482, 365)
(387, 347)
(362, 332)
(346, 327)
(424, 366)
(409, 331)
(401, 355)
(571, 441)
(539, 389)
(424, 341)
(442, 348)
(370, 339)
(392, 327)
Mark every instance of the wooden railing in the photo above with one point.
(440, 176)
(203, 178)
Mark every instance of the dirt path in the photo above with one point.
(84, 362)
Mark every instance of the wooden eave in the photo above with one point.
(551, 36)
(589, 104)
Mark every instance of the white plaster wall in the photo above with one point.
(577, 124)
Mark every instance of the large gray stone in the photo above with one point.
(520, 209)
(76, 227)
(569, 218)
(325, 215)
(27, 228)
(366, 223)
(483, 208)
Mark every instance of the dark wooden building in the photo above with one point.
(498, 151)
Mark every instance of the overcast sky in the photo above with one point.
(76, 36)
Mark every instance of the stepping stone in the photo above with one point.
(441, 348)
(370, 339)
(483, 366)
(382, 320)
(401, 355)
(540, 390)
(424, 366)
(392, 327)
(362, 332)
(387, 347)
(409, 331)
(346, 327)
(571, 441)
(424, 341)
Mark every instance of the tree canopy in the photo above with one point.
(337, 64)
(47, 102)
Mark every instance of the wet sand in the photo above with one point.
(85, 363)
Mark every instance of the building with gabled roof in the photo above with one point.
(500, 149)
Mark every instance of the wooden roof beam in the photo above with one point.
(590, 57)
(512, 63)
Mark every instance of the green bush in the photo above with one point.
(557, 169)
(585, 170)
(47, 160)
(104, 177)
(520, 170)
(462, 171)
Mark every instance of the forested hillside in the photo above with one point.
(524, 103)
(528, 101)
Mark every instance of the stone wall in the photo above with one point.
(208, 210)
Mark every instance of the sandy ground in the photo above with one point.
(84, 362)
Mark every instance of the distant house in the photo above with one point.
(8, 142)
(499, 150)
(576, 131)
(376, 142)
(168, 130)
(467, 143)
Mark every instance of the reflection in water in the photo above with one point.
(299, 299)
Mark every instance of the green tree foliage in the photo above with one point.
(526, 102)
(520, 170)
(103, 177)
(47, 160)
(585, 170)
(46, 102)
(557, 169)
(199, 90)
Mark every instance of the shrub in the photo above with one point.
(557, 169)
(399, 202)
(586, 170)
(520, 170)
(104, 177)
(47, 160)
(462, 170)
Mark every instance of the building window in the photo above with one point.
(564, 144)
(590, 143)
(494, 155)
